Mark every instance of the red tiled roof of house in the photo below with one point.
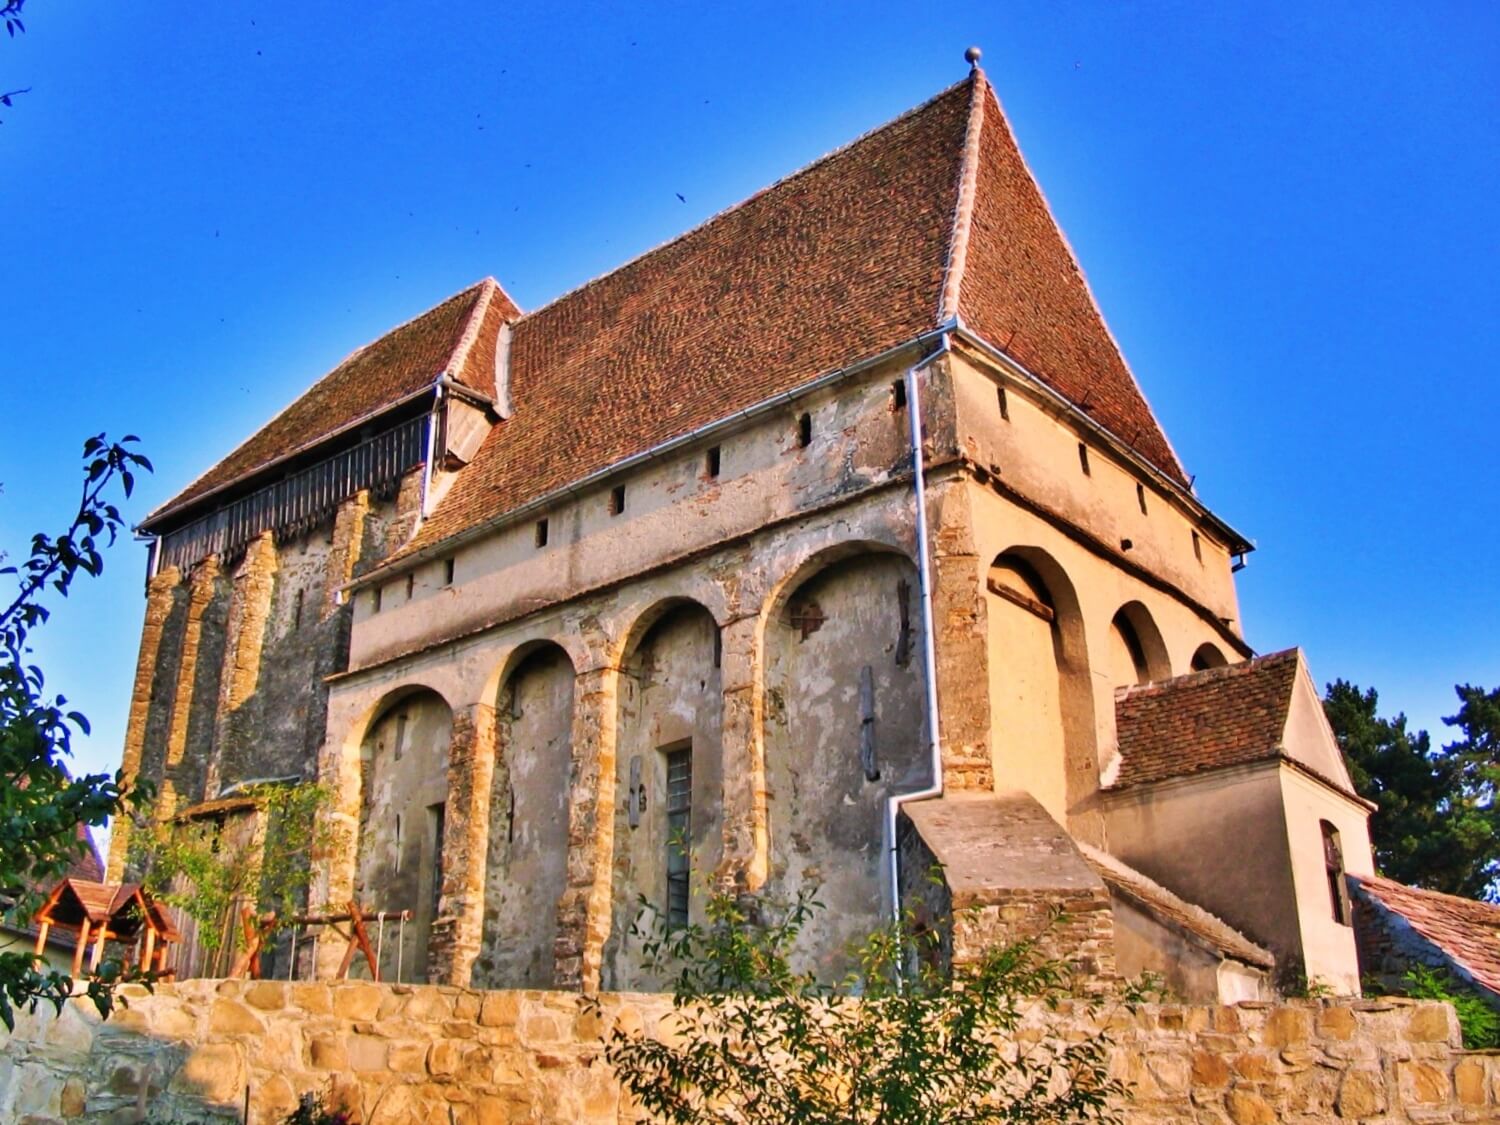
(855, 254)
(1466, 930)
(1175, 911)
(1205, 720)
(457, 339)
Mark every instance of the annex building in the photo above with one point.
(644, 592)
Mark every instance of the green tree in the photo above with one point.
(10, 16)
(41, 804)
(901, 1041)
(1437, 824)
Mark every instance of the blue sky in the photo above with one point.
(1287, 213)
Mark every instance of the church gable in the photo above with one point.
(456, 339)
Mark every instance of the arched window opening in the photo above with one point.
(1208, 656)
(1333, 866)
(1127, 659)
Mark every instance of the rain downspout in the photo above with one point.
(929, 650)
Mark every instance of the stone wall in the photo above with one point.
(404, 1053)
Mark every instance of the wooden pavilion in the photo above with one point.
(107, 912)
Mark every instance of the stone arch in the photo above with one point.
(403, 793)
(527, 848)
(1041, 696)
(843, 727)
(1206, 656)
(1137, 653)
(668, 821)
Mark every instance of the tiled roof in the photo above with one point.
(930, 215)
(848, 257)
(1205, 720)
(1024, 292)
(1167, 907)
(447, 340)
(1465, 930)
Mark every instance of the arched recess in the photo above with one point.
(1208, 656)
(1041, 700)
(843, 728)
(1137, 653)
(668, 830)
(527, 855)
(403, 782)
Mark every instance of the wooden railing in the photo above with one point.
(298, 503)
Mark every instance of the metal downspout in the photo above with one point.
(929, 645)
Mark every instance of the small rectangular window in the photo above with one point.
(541, 533)
(1083, 459)
(617, 500)
(436, 820)
(898, 394)
(1004, 404)
(712, 461)
(1197, 547)
(297, 611)
(804, 430)
(448, 567)
(411, 584)
(375, 600)
(1140, 496)
(679, 828)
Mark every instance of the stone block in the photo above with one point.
(407, 1058)
(72, 1100)
(1246, 1107)
(1337, 1022)
(1286, 1027)
(1422, 1083)
(1361, 1094)
(356, 1000)
(1432, 1023)
(1471, 1082)
(1209, 1070)
(267, 995)
(499, 1009)
(314, 999)
(328, 1052)
(230, 1017)
(367, 1052)
(214, 1072)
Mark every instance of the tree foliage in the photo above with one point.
(41, 805)
(10, 16)
(1437, 824)
(754, 1041)
(209, 871)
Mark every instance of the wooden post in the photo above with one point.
(147, 963)
(83, 941)
(99, 947)
(41, 937)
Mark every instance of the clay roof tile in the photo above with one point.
(1467, 931)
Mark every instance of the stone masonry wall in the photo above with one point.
(404, 1053)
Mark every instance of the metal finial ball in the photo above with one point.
(971, 56)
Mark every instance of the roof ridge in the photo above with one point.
(749, 199)
(963, 207)
(1427, 891)
(1088, 290)
(1204, 675)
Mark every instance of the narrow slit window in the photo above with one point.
(297, 610)
(541, 533)
(679, 826)
(804, 430)
(617, 500)
(1197, 547)
(375, 600)
(1004, 404)
(1083, 459)
(898, 394)
(1140, 496)
(400, 747)
(712, 461)
(436, 818)
(398, 843)
(411, 585)
(448, 567)
(1333, 864)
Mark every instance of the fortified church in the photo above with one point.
(644, 593)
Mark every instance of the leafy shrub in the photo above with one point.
(899, 1041)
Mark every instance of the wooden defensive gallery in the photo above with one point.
(644, 592)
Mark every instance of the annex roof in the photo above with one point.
(1465, 931)
(1226, 716)
(1167, 907)
(456, 339)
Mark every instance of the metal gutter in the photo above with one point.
(599, 476)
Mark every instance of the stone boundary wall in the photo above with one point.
(405, 1053)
